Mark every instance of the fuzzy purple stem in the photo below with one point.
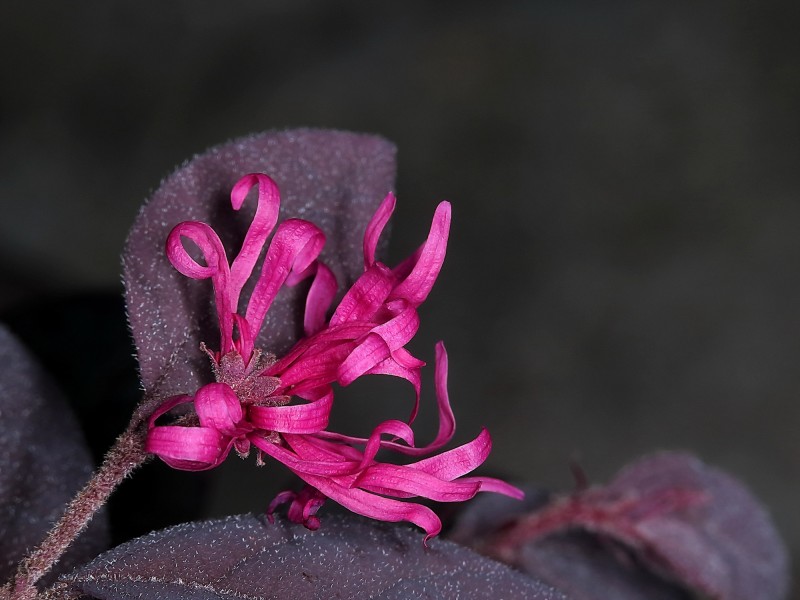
(122, 459)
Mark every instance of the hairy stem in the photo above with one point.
(122, 459)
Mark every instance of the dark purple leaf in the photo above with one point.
(332, 178)
(44, 462)
(725, 546)
(591, 568)
(664, 521)
(246, 557)
(576, 563)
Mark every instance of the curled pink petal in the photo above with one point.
(393, 366)
(369, 353)
(403, 481)
(375, 229)
(313, 369)
(377, 507)
(319, 299)
(401, 328)
(405, 359)
(218, 408)
(379, 344)
(167, 406)
(497, 486)
(216, 268)
(366, 297)
(416, 287)
(295, 246)
(458, 461)
(267, 207)
(295, 418)
(313, 448)
(396, 429)
(188, 448)
(207, 240)
(321, 468)
(447, 420)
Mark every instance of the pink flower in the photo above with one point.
(282, 405)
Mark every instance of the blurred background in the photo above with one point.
(624, 269)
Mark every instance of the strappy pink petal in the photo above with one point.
(294, 418)
(321, 468)
(266, 216)
(188, 448)
(458, 461)
(497, 486)
(416, 287)
(207, 240)
(375, 229)
(405, 359)
(377, 507)
(395, 365)
(318, 344)
(365, 297)
(396, 429)
(369, 353)
(218, 408)
(401, 270)
(391, 366)
(447, 420)
(167, 406)
(398, 480)
(313, 370)
(319, 299)
(216, 268)
(379, 344)
(295, 246)
(401, 328)
(314, 449)
(369, 453)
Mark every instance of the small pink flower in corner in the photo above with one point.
(282, 405)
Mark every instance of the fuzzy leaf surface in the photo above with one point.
(245, 557)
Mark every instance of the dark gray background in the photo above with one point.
(624, 268)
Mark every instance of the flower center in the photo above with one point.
(246, 378)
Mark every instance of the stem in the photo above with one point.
(122, 459)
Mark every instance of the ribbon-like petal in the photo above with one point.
(295, 418)
(188, 448)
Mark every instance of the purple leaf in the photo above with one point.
(44, 462)
(667, 520)
(576, 563)
(246, 557)
(725, 546)
(335, 179)
(592, 568)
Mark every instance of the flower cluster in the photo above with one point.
(281, 406)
